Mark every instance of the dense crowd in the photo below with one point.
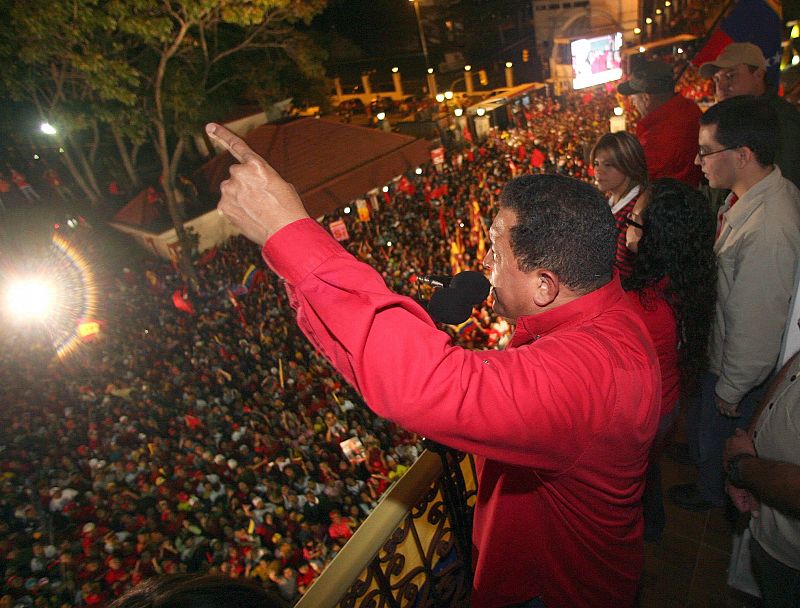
(211, 441)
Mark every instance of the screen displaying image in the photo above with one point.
(596, 60)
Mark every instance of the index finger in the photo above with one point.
(231, 142)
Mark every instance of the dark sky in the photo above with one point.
(378, 27)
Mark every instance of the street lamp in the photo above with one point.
(421, 31)
(47, 128)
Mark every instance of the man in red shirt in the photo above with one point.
(669, 123)
(561, 421)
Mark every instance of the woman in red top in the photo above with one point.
(620, 171)
(673, 284)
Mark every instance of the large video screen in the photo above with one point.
(596, 60)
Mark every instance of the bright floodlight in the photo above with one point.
(618, 111)
(30, 299)
(458, 111)
(47, 128)
(380, 115)
(418, 170)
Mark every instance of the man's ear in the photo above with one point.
(744, 155)
(546, 288)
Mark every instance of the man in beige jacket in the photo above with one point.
(757, 247)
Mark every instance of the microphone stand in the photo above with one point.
(455, 495)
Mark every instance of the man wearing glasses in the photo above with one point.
(741, 70)
(757, 247)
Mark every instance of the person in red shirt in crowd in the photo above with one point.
(620, 171)
(669, 123)
(561, 422)
(341, 527)
(21, 182)
(673, 288)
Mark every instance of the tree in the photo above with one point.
(63, 57)
(149, 70)
(188, 52)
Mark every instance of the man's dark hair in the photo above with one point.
(563, 225)
(746, 121)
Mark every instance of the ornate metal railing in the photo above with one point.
(414, 548)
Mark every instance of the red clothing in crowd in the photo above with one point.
(668, 135)
(663, 327)
(561, 421)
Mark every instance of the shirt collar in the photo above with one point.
(738, 214)
(634, 192)
(573, 313)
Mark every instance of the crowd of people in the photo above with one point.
(209, 442)
(208, 439)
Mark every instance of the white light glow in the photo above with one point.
(796, 60)
(637, 30)
(430, 70)
(386, 188)
(380, 115)
(448, 94)
(395, 70)
(467, 68)
(680, 51)
(509, 64)
(641, 49)
(30, 299)
(47, 128)
(481, 111)
(458, 111)
(618, 111)
(440, 97)
(346, 210)
(418, 170)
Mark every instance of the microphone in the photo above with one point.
(443, 307)
(471, 285)
(434, 280)
(453, 304)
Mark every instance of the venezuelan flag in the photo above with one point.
(249, 276)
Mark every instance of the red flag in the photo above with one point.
(181, 301)
(207, 256)
(537, 158)
(192, 421)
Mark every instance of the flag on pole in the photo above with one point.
(180, 299)
(756, 21)
(252, 277)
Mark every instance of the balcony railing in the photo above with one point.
(413, 549)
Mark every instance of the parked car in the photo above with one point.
(351, 106)
(381, 104)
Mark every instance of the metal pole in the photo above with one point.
(421, 32)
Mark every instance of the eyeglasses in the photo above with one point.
(701, 155)
(631, 222)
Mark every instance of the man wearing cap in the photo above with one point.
(741, 70)
(668, 125)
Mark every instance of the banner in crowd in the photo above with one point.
(339, 230)
(755, 21)
(363, 210)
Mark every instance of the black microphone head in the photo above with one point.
(472, 286)
(446, 306)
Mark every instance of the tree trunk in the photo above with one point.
(83, 184)
(168, 183)
(126, 158)
(86, 167)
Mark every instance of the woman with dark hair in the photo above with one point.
(193, 591)
(673, 284)
(620, 170)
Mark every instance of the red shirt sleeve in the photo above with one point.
(527, 406)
